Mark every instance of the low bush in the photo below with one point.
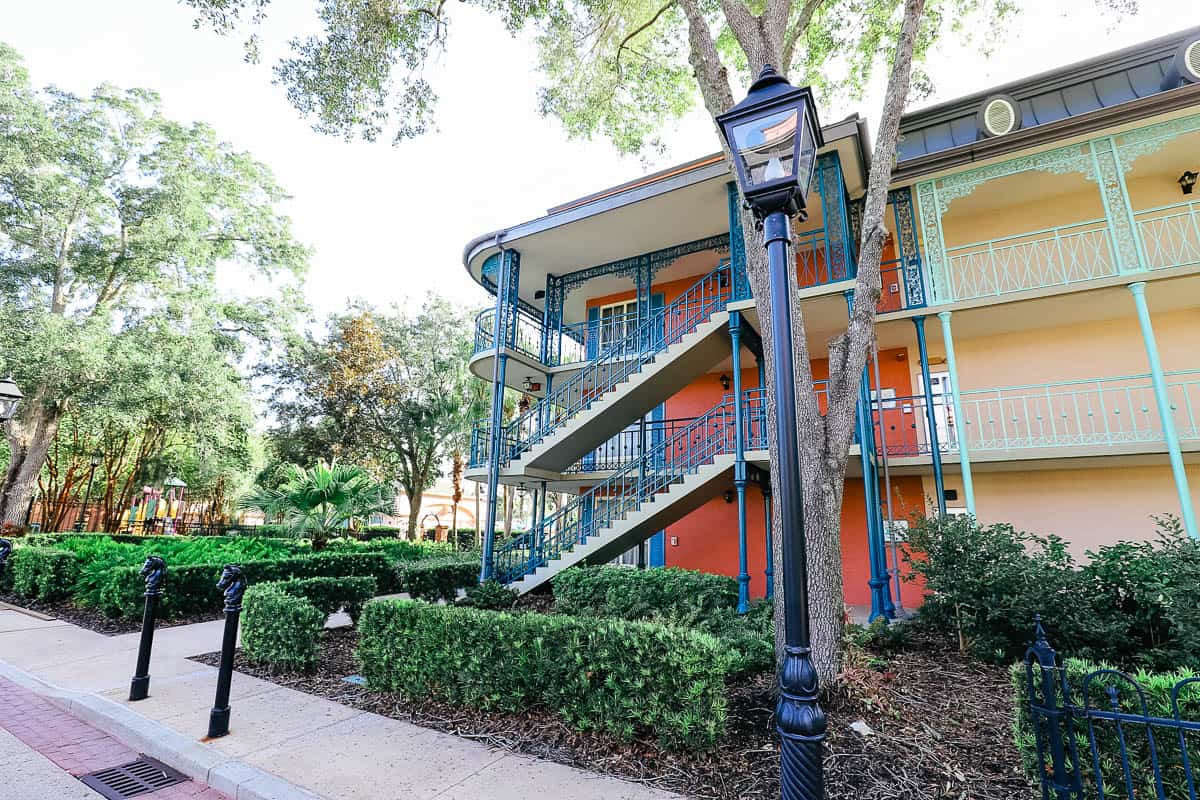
(1157, 688)
(280, 629)
(634, 594)
(191, 589)
(624, 678)
(491, 595)
(1131, 603)
(437, 578)
(42, 573)
(330, 595)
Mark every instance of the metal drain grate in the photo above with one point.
(132, 779)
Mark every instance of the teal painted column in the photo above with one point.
(960, 422)
(1163, 400)
(935, 450)
(739, 462)
(881, 599)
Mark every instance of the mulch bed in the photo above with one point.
(92, 619)
(941, 728)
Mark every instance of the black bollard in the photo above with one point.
(233, 583)
(5, 551)
(154, 571)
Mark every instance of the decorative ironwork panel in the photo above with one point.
(1069, 160)
(1116, 205)
(1132, 145)
(833, 208)
(908, 246)
(935, 247)
(737, 244)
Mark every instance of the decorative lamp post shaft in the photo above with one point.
(233, 583)
(798, 717)
(154, 571)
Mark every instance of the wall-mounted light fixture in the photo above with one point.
(728, 496)
(725, 381)
(530, 385)
(1187, 181)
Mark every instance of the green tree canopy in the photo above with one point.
(113, 223)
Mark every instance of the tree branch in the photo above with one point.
(640, 28)
(793, 34)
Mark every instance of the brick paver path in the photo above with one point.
(74, 746)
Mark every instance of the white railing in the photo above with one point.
(1170, 234)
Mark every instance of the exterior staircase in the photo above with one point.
(668, 481)
(686, 338)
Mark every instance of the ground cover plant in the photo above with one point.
(1130, 603)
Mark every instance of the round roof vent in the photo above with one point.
(1189, 61)
(999, 115)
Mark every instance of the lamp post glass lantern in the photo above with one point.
(773, 137)
(10, 398)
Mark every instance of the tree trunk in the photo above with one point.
(414, 513)
(29, 436)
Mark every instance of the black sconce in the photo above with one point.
(728, 496)
(725, 382)
(1187, 181)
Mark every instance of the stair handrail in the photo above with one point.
(641, 478)
(617, 362)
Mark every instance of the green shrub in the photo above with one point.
(42, 573)
(491, 595)
(191, 589)
(1157, 687)
(280, 629)
(1130, 604)
(437, 579)
(625, 678)
(634, 594)
(330, 595)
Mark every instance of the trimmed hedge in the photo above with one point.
(330, 595)
(192, 589)
(280, 629)
(1157, 687)
(437, 578)
(635, 594)
(625, 678)
(42, 573)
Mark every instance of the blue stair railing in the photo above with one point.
(620, 360)
(662, 466)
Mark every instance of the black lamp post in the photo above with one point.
(10, 398)
(94, 461)
(773, 137)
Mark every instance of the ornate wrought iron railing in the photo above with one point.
(1100, 733)
(621, 360)
(1051, 257)
(665, 464)
(1103, 411)
(532, 339)
(1170, 235)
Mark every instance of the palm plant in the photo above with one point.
(320, 500)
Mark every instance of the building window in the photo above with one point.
(618, 322)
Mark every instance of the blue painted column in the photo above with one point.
(881, 599)
(935, 450)
(960, 422)
(506, 268)
(1163, 400)
(739, 461)
(764, 486)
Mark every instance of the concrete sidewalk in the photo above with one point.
(327, 748)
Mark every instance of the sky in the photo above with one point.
(388, 223)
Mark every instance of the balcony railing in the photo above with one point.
(563, 347)
(1104, 412)
(1050, 257)
(1170, 234)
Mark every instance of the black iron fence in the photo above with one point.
(1100, 733)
